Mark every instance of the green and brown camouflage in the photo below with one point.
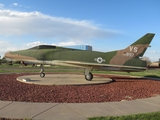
(120, 60)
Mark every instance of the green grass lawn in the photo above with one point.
(147, 116)
(29, 69)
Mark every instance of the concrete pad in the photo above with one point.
(94, 109)
(62, 79)
(25, 110)
(60, 112)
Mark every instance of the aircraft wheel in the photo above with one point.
(42, 75)
(89, 77)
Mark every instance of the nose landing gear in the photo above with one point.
(42, 75)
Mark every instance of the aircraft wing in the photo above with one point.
(100, 66)
(88, 65)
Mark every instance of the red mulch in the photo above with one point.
(123, 88)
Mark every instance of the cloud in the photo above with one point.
(66, 43)
(15, 4)
(63, 31)
(5, 46)
(153, 55)
(153, 52)
(45, 26)
(1, 6)
(35, 44)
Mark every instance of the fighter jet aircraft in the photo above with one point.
(127, 59)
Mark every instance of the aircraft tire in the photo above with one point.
(89, 77)
(42, 75)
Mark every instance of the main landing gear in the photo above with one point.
(88, 75)
(42, 74)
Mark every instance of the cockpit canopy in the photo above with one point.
(44, 47)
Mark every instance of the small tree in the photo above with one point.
(146, 59)
(3, 60)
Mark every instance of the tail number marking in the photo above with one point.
(129, 54)
(133, 49)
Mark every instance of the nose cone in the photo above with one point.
(7, 55)
(16, 55)
(11, 55)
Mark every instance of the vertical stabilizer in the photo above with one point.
(135, 50)
(138, 48)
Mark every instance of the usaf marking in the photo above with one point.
(99, 60)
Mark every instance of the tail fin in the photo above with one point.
(138, 48)
(135, 50)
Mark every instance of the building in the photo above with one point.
(80, 47)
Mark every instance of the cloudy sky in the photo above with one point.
(106, 25)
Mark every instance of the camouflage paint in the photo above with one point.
(47, 53)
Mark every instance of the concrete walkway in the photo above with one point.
(76, 111)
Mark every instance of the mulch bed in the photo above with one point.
(122, 88)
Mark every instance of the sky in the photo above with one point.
(106, 25)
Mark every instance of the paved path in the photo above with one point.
(76, 111)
